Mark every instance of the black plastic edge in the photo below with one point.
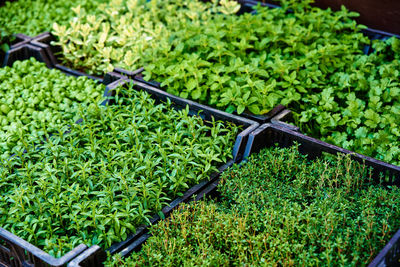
(281, 119)
(138, 77)
(20, 39)
(390, 254)
(22, 251)
(24, 52)
(268, 134)
(93, 256)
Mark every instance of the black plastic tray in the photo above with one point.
(278, 132)
(270, 134)
(20, 39)
(16, 252)
(137, 76)
(284, 119)
(390, 254)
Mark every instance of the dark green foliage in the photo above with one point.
(281, 209)
(35, 99)
(99, 181)
(255, 61)
(360, 109)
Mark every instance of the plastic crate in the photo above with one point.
(247, 6)
(138, 77)
(20, 39)
(16, 252)
(285, 119)
(270, 134)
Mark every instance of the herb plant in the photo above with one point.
(280, 208)
(127, 34)
(255, 61)
(360, 110)
(35, 99)
(98, 181)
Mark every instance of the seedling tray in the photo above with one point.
(271, 134)
(138, 77)
(14, 251)
(390, 254)
(20, 39)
